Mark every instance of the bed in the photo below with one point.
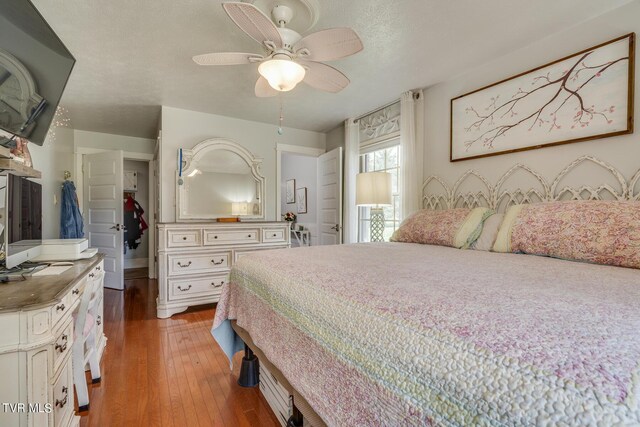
(414, 334)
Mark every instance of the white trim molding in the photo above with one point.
(136, 263)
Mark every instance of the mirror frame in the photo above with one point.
(27, 85)
(190, 160)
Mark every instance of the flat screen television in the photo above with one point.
(34, 68)
(22, 219)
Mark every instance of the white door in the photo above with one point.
(330, 197)
(103, 212)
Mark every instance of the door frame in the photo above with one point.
(293, 149)
(126, 155)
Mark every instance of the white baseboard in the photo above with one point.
(136, 262)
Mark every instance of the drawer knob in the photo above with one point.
(184, 289)
(217, 285)
(184, 238)
(61, 347)
(184, 265)
(249, 236)
(60, 307)
(215, 237)
(217, 262)
(99, 320)
(75, 291)
(98, 268)
(63, 402)
(274, 235)
(92, 275)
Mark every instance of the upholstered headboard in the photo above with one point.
(521, 184)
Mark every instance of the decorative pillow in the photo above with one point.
(458, 228)
(601, 232)
(489, 233)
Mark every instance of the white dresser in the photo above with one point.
(194, 259)
(36, 339)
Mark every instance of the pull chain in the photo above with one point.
(280, 130)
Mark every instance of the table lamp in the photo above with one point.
(374, 189)
(239, 208)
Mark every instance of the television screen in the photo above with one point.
(21, 211)
(34, 69)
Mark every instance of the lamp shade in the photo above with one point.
(240, 208)
(373, 189)
(282, 74)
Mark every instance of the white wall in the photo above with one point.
(142, 197)
(184, 129)
(107, 141)
(622, 151)
(57, 156)
(304, 170)
(52, 159)
(335, 138)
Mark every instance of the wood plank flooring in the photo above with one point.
(136, 273)
(166, 372)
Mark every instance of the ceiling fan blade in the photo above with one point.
(328, 45)
(227, 58)
(252, 21)
(324, 77)
(263, 89)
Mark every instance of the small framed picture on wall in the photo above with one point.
(301, 195)
(291, 191)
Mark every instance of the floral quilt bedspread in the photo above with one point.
(405, 334)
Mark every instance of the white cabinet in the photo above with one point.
(36, 340)
(130, 181)
(194, 259)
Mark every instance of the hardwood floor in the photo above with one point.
(136, 273)
(166, 372)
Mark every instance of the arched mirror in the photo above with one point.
(220, 179)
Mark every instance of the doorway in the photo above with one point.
(309, 185)
(107, 178)
(137, 205)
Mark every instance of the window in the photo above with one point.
(385, 159)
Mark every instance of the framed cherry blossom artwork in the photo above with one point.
(584, 96)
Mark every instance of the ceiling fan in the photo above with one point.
(290, 57)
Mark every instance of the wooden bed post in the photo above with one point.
(249, 371)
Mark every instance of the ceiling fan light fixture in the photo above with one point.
(282, 74)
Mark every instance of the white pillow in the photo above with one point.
(489, 233)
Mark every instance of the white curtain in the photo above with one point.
(410, 167)
(351, 169)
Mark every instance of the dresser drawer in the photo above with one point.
(272, 235)
(63, 395)
(62, 309)
(186, 288)
(198, 263)
(184, 238)
(77, 290)
(62, 345)
(226, 237)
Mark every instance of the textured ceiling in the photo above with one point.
(133, 56)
